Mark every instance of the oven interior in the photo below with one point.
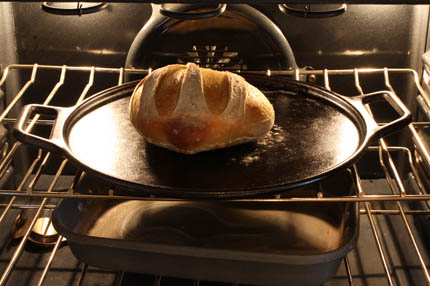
(59, 54)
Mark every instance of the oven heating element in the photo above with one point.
(213, 57)
(393, 199)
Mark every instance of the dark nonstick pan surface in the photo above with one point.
(316, 133)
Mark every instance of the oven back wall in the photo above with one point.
(363, 36)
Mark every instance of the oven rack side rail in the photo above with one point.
(399, 192)
(385, 152)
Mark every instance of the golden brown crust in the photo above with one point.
(167, 90)
(216, 90)
(189, 109)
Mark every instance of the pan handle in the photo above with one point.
(382, 130)
(22, 132)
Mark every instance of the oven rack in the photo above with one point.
(386, 150)
(399, 193)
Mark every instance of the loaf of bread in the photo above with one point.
(189, 109)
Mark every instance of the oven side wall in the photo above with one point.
(7, 35)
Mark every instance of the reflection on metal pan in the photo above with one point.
(217, 241)
(316, 133)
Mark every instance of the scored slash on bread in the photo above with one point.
(189, 109)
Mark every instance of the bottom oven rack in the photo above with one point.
(392, 246)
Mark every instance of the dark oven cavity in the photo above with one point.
(366, 224)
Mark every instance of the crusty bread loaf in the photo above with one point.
(189, 109)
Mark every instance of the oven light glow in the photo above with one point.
(355, 53)
(269, 72)
(360, 52)
(107, 129)
(100, 51)
(426, 78)
(347, 140)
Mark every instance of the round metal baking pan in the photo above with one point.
(316, 133)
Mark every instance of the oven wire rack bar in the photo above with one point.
(399, 192)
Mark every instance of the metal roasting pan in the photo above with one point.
(316, 133)
(256, 243)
